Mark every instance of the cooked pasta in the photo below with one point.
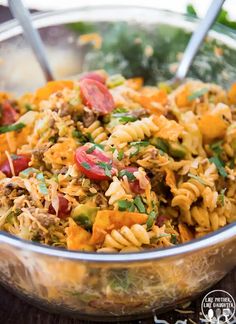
(135, 131)
(106, 166)
(97, 132)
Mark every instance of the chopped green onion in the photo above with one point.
(128, 174)
(120, 155)
(151, 219)
(11, 128)
(86, 165)
(107, 168)
(124, 205)
(173, 239)
(199, 179)
(91, 149)
(197, 94)
(139, 204)
(219, 165)
(140, 143)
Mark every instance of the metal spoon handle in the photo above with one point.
(197, 38)
(32, 35)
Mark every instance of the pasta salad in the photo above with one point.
(106, 164)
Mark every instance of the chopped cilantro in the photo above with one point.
(119, 110)
(151, 219)
(120, 155)
(81, 137)
(140, 143)
(128, 174)
(126, 205)
(85, 165)
(139, 204)
(107, 168)
(137, 146)
(91, 149)
(217, 148)
(199, 179)
(221, 197)
(197, 94)
(219, 165)
(11, 128)
(160, 143)
(173, 239)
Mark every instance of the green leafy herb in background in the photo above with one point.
(223, 17)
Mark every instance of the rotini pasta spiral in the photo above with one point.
(116, 191)
(207, 220)
(97, 132)
(127, 237)
(187, 193)
(133, 131)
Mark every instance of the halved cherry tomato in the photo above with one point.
(64, 208)
(93, 76)
(94, 163)
(9, 115)
(20, 162)
(96, 96)
(134, 184)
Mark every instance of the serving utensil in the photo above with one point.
(196, 40)
(22, 14)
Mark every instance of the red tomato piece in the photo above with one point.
(96, 96)
(9, 115)
(94, 163)
(134, 184)
(93, 76)
(20, 162)
(64, 208)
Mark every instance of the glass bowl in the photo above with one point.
(105, 287)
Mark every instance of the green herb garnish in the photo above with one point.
(91, 149)
(161, 144)
(219, 165)
(128, 174)
(120, 155)
(173, 239)
(139, 204)
(140, 143)
(197, 94)
(217, 148)
(107, 168)
(199, 179)
(151, 219)
(85, 165)
(126, 205)
(11, 128)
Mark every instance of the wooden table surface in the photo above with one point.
(15, 311)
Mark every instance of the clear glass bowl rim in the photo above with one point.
(12, 28)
